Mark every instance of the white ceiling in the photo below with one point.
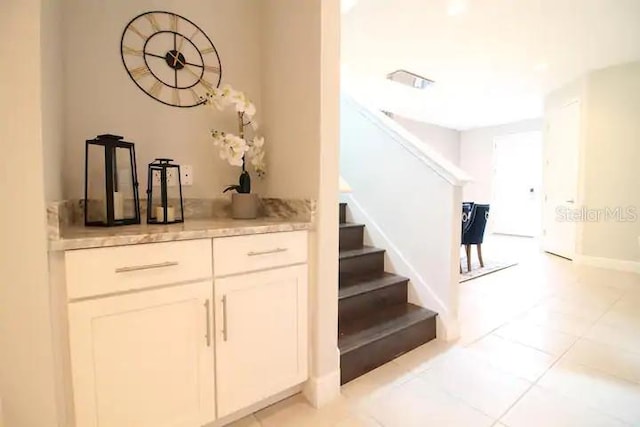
(492, 60)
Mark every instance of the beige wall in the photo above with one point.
(608, 161)
(611, 159)
(291, 95)
(26, 359)
(300, 83)
(443, 140)
(101, 97)
(52, 98)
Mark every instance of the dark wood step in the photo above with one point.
(362, 261)
(364, 295)
(343, 213)
(369, 342)
(351, 236)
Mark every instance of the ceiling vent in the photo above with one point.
(410, 79)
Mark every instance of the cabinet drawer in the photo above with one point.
(233, 255)
(102, 271)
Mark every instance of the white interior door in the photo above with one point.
(515, 208)
(561, 149)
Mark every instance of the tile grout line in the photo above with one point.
(535, 383)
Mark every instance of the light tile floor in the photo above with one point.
(545, 343)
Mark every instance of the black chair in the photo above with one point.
(474, 235)
(467, 218)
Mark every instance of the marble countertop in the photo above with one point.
(80, 237)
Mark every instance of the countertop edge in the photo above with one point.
(74, 243)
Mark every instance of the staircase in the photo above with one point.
(376, 324)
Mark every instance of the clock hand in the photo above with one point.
(178, 49)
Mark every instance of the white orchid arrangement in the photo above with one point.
(235, 149)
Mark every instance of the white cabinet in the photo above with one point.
(155, 341)
(144, 359)
(261, 335)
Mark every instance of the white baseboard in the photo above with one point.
(610, 263)
(320, 391)
(447, 329)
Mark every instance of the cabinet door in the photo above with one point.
(144, 359)
(261, 335)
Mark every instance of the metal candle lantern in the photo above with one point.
(110, 182)
(164, 193)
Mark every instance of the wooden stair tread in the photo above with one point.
(362, 284)
(360, 332)
(353, 253)
(376, 324)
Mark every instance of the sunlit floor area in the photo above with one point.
(544, 343)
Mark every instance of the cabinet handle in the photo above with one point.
(224, 318)
(207, 307)
(146, 267)
(271, 251)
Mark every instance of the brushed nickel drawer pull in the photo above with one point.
(224, 318)
(208, 334)
(272, 251)
(146, 267)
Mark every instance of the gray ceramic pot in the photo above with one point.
(244, 206)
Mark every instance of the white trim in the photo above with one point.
(434, 160)
(610, 263)
(320, 391)
(447, 325)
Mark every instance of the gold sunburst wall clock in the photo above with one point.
(170, 58)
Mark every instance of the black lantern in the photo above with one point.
(110, 182)
(164, 193)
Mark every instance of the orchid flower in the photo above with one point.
(234, 149)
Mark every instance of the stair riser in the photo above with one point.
(343, 213)
(366, 358)
(362, 265)
(368, 302)
(351, 237)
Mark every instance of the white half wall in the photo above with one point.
(410, 199)
(443, 140)
(476, 156)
